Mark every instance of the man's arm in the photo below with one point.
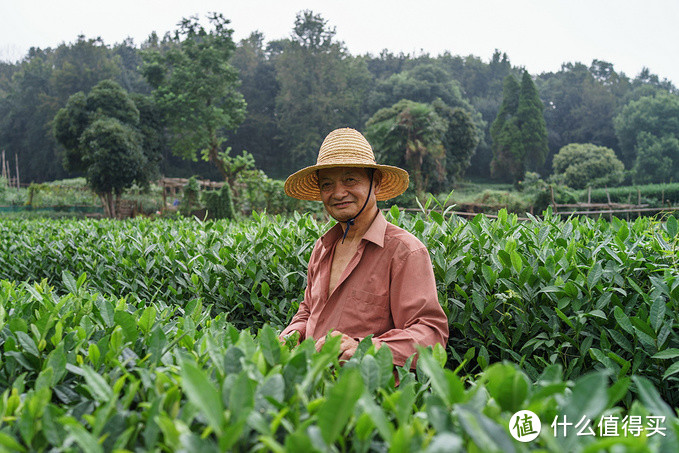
(418, 316)
(298, 322)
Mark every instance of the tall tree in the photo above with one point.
(580, 104)
(459, 140)
(410, 135)
(81, 65)
(508, 151)
(104, 137)
(321, 88)
(42, 83)
(196, 88)
(258, 132)
(655, 115)
(657, 159)
(531, 122)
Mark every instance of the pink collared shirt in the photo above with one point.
(387, 289)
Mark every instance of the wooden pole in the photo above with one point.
(589, 195)
(162, 182)
(639, 200)
(16, 160)
(551, 189)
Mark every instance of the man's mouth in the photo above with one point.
(342, 205)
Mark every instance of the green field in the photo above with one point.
(162, 335)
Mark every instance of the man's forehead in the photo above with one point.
(341, 171)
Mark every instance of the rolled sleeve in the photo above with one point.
(417, 314)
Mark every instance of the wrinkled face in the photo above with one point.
(344, 190)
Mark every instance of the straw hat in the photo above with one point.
(345, 147)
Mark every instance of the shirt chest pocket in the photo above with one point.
(366, 313)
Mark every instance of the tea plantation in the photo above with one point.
(161, 335)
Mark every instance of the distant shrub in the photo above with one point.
(581, 165)
(219, 203)
(190, 201)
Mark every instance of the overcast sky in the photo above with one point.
(539, 35)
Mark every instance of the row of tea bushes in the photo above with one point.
(85, 371)
(585, 294)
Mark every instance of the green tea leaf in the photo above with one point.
(97, 384)
(147, 319)
(657, 315)
(669, 353)
(671, 225)
(623, 320)
(27, 343)
(517, 263)
(10, 442)
(594, 275)
(271, 347)
(69, 282)
(203, 394)
(334, 414)
(674, 368)
(508, 386)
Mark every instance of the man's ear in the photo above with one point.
(377, 181)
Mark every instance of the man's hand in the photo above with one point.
(347, 346)
(292, 339)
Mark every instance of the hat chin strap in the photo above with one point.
(351, 220)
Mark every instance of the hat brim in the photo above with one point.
(303, 184)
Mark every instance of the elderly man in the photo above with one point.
(366, 276)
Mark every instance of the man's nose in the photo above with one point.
(340, 191)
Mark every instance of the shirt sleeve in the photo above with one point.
(299, 321)
(415, 309)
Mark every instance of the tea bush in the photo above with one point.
(83, 371)
(584, 294)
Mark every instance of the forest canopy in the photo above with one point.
(295, 90)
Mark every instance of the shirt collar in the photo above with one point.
(374, 234)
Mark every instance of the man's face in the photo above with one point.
(344, 190)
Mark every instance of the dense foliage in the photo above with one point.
(98, 373)
(299, 88)
(195, 88)
(580, 165)
(136, 335)
(518, 132)
(536, 292)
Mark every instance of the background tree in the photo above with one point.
(114, 159)
(410, 135)
(657, 159)
(259, 132)
(321, 88)
(531, 122)
(581, 165)
(196, 88)
(655, 115)
(580, 104)
(508, 152)
(104, 137)
(459, 140)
